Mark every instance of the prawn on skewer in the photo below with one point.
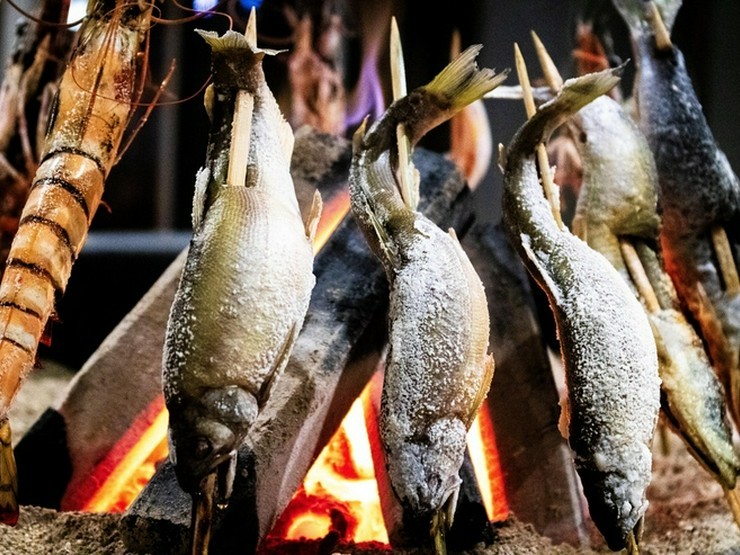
(438, 371)
(92, 108)
(26, 93)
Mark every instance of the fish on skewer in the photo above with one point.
(699, 192)
(606, 343)
(247, 280)
(438, 371)
(92, 108)
(617, 216)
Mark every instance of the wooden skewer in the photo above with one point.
(552, 76)
(542, 161)
(639, 277)
(251, 31)
(733, 500)
(662, 36)
(632, 547)
(723, 250)
(399, 88)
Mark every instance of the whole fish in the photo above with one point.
(438, 371)
(617, 206)
(699, 192)
(94, 103)
(606, 342)
(247, 281)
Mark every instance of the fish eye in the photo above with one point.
(202, 448)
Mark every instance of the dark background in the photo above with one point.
(148, 195)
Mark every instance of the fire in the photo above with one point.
(484, 455)
(127, 468)
(339, 493)
(334, 210)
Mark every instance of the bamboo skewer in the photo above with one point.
(727, 267)
(542, 161)
(399, 88)
(639, 276)
(662, 35)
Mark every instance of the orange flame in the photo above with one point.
(115, 482)
(339, 493)
(485, 459)
(119, 477)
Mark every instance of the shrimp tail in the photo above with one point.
(8, 478)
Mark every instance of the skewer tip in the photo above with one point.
(398, 66)
(662, 35)
(549, 69)
(251, 31)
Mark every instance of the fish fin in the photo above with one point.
(733, 500)
(281, 360)
(485, 386)
(573, 96)
(314, 214)
(461, 82)
(202, 178)
(287, 140)
(208, 100)
(8, 478)
(233, 40)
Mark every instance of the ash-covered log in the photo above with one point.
(539, 478)
(333, 359)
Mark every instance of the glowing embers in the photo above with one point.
(339, 494)
(484, 456)
(116, 480)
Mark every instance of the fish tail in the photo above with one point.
(236, 59)
(462, 83)
(8, 478)
(574, 95)
(459, 84)
(637, 14)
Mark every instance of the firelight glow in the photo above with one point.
(339, 492)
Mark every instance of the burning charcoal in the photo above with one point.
(333, 358)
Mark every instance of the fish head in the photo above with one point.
(425, 471)
(205, 434)
(616, 493)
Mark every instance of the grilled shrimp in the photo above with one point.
(92, 108)
(28, 86)
(699, 192)
(606, 343)
(438, 370)
(247, 281)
